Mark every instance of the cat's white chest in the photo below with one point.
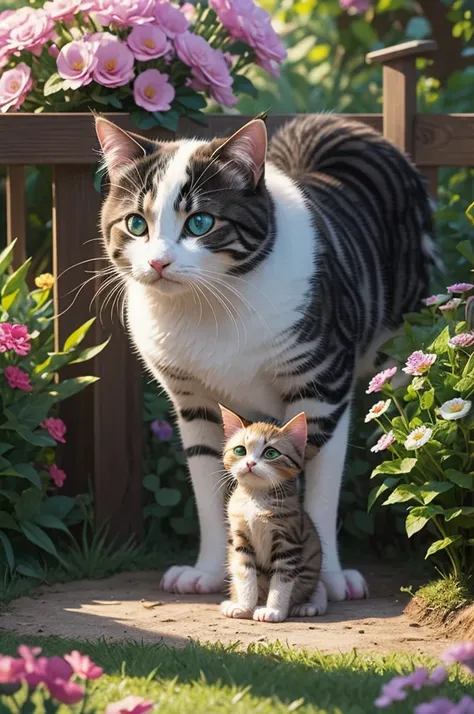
(261, 531)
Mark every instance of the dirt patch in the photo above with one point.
(457, 623)
(130, 606)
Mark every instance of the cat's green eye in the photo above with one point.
(271, 454)
(240, 451)
(200, 223)
(137, 225)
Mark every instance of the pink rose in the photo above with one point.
(83, 666)
(224, 95)
(11, 669)
(210, 69)
(152, 91)
(14, 87)
(58, 475)
(56, 428)
(62, 9)
(14, 337)
(65, 692)
(18, 379)
(125, 13)
(35, 29)
(170, 19)
(148, 42)
(189, 11)
(76, 62)
(130, 705)
(114, 66)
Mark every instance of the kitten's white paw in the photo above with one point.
(345, 585)
(268, 614)
(233, 609)
(188, 579)
(307, 609)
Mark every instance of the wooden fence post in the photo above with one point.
(16, 212)
(399, 96)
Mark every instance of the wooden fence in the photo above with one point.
(105, 432)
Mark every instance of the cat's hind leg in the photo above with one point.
(316, 606)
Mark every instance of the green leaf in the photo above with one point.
(143, 120)
(37, 536)
(429, 491)
(415, 522)
(37, 438)
(364, 521)
(69, 387)
(90, 352)
(451, 513)
(164, 464)
(403, 493)
(6, 256)
(53, 84)
(7, 521)
(183, 526)
(16, 279)
(167, 496)
(25, 471)
(460, 479)
(168, 120)
(466, 384)
(4, 447)
(417, 28)
(466, 249)
(8, 300)
(28, 505)
(29, 571)
(114, 102)
(243, 85)
(151, 482)
(78, 335)
(389, 483)
(191, 101)
(397, 466)
(441, 545)
(31, 410)
(48, 521)
(7, 547)
(59, 506)
(440, 345)
(198, 116)
(427, 399)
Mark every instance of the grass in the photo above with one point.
(445, 594)
(213, 679)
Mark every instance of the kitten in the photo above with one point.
(275, 555)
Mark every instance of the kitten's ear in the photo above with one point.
(297, 430)
(232, 422)
(118, 146)
(248, 148)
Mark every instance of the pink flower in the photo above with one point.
(223, 95)
(53, 51)
(65, 692)
(395, 690)
(463, 652)
(435, 299)
(356, 6)
(209, 66)
(441, 705)
(130, 705)
(438, 676)
(18, 379)
(62, 9)
(34, 666)
(58, 475)
(125, 13)
(83, 666)
(114, 66)
(189, 11)
(148, 42)
(11, 669)
(377, 382)
(460, 287)
(152, 91)
(14, 337)
(56, 428)
(76, 62)
(33, 31)
(464, 339)
(384, 442)
(419, 362)
(14, 86)
(450, 305)
(171, 20)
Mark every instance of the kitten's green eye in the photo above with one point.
(271, 454)
(240, 450)
(200, 223)
(137, 225)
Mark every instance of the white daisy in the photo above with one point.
(455, 408)
(418, 437)
(378, 409)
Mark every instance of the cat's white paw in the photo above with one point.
(188, 579)
(233, 609)
(307, 609)
(345, 585)
(268, 614)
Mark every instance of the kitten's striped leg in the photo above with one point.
(244, 578)
(202, 436)
(316, 606)
(286, 562)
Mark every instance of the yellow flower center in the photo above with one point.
(110, 65)
(454, 408)
(14, 85)
(419, 435)
(77, 66)
(150, 44)
(150, 92)
(377, 410)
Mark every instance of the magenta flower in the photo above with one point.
(419, 362)
(130, 705)
(384, 442)
(76, 62)
(125, 13)
(114, 66)
(56, 428)
(438, 676)
(356, 6)
(14, 337)
(148, 42)
(15, 84)
(11, 669)
(171, 20)
(377, 382)
(435, 299)
(34, 666)
(58, 475)
(450, 305)
(18, 379)
(64, 691)
(463, 652)
(152, 91)
(460, 287)
(62, 9)
(395, 690)
(464, 339)
(161, 429)
(83, 666)
(439, 705)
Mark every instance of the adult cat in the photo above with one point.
(265, 282)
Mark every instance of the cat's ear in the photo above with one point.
(297, 430)
(248, 148)
(118, 146)
(232, 422)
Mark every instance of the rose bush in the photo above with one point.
(30, 430)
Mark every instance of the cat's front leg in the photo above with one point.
(202, 437)
(242, 569)
(279, 598)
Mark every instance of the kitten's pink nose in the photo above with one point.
(251, 464)
(159, 265)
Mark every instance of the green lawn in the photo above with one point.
(212, 679)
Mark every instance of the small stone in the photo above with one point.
(414, 624)
(311, 627)
(40, 629)
(347, 627)
(361, 632)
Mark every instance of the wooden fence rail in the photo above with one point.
(104, 422)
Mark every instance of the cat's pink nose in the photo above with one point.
(251, 464)
(159, 265)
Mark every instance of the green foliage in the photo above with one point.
(33, 516)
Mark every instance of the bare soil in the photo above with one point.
(457, 623)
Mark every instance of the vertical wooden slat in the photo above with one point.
(431, 174)
(16, 212)
(399, 106)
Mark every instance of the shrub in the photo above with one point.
(30, 500)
